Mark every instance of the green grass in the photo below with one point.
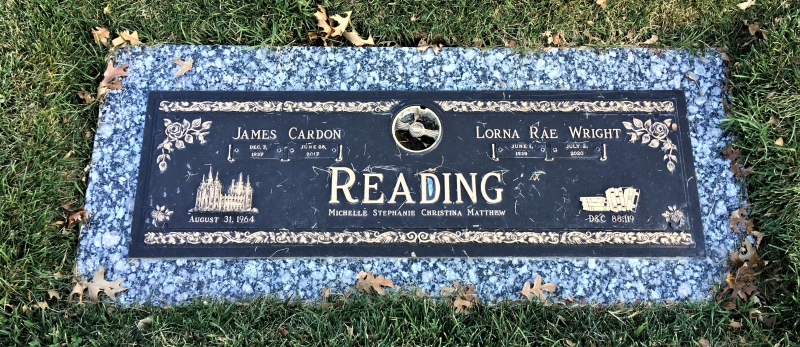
(47, 55)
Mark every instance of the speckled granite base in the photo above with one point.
(104, 241)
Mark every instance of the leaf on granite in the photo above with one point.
(101, 35)
(738, 217)
(354, 38)
(97, 285)
(185, 66)
(423, 46)
(538, 289)
(745, 5)
(112, 72)
(367, 282)
(325, 292)
(79, 217)
(602, 3)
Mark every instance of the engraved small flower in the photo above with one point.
(654, 135)
(178, 135)
(160, 215)
(673, 216)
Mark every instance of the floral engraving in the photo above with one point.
(276, 106)
(654, 134)
(160, 215)
(557, 106)
(178, 135)
(437, 237)
(674, 216)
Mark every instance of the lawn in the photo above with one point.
(47, 55)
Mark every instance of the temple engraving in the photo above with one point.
(615, 200)
(209, 198)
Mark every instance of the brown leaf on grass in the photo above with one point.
(746, 4)
(704, 342)
(652, 40)
(78, 217)
(144, 323)
(53, 294)
(118, 42)
(731, 153)
(101, 35)
(602, 3)
(510, 43)
(755, 28)
(86, 97)
(339, 23)
(132, 38)
(728, 305)
(738, 216)
(367, 282)
(107, 9)
(322, 22)
(283, 332)
(465, 297)
(97, 285)
(538, 289)
(779, 142)
(42, 304)
(185, 65)
(734, 324)
(354, 38)
(423, 46)
(325, 292)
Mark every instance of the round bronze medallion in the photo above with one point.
(416, 129)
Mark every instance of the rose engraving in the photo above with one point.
(674, 216)
(654, 134)
(160, 215)
(178, 135)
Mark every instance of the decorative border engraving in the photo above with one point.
(442, 237)
(654, 134)
(276, 106)
(180, 133)
(557, 106)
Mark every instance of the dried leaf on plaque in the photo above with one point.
(185, 66)
(101, 35)
(367, 282)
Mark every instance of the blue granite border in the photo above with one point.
(112, 180)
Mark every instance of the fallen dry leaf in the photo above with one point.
(738, 216)
(465, 297)
(78, 217)
(53, 294)
(101, 35)
(729, 305)
(367, 282)
(341, 23)
(354, 38)
(734, 324)
(107, 9)
(144, 323)
(746, 4)
(537, 289)
(322, 22)
(113, 72)
(86, 97)
(569, 343)
(753, 28)
(97, 285)
(42, 304)
(326, 292)
(602, 3)
(423, 46)
(132, 38)
(462, 305)
(118, 42)
(779, 142)
(653, 39)
(185, 65)
(283, 332)
(704, 342)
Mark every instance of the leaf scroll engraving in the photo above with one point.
(654, 135)
(178, 135)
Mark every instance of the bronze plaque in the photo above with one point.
(426, 174)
